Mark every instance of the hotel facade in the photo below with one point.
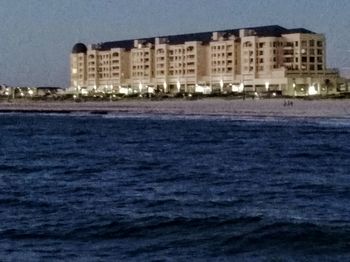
(263, 59)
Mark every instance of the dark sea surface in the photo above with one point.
(172, 188)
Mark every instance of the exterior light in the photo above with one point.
(150, 90)
(312, 90)
(140, 87)
(235, 88)
(30, 92)
(178, 85)
(123, 90)
(267, 85)
(199, 89)
(221, 86)
(165, 87)
(241, 88)
(74, 71)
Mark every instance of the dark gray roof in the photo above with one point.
(79, 48)
(300, 31)
(49, 87)
(204, 37)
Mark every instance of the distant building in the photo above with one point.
(257, 59)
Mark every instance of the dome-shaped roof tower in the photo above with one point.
(79, 48)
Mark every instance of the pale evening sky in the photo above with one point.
(36, 36)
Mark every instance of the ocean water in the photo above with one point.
(173, 188)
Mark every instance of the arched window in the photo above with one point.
(247, 44)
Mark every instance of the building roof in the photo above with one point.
(204, 37)
(49, 87)
(79, 48)
(300, 31)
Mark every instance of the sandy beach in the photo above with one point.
(211, 107)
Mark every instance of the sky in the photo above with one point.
(36, 36)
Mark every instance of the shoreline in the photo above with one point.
(207, 106)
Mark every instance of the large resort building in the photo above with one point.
(268, 59)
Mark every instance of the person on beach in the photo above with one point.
(288, 103)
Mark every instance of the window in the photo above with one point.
(312, 42)
(312, 59)
(312, 67)
(247, 44)
(320, 67)
(190, 48)
(319, 44)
